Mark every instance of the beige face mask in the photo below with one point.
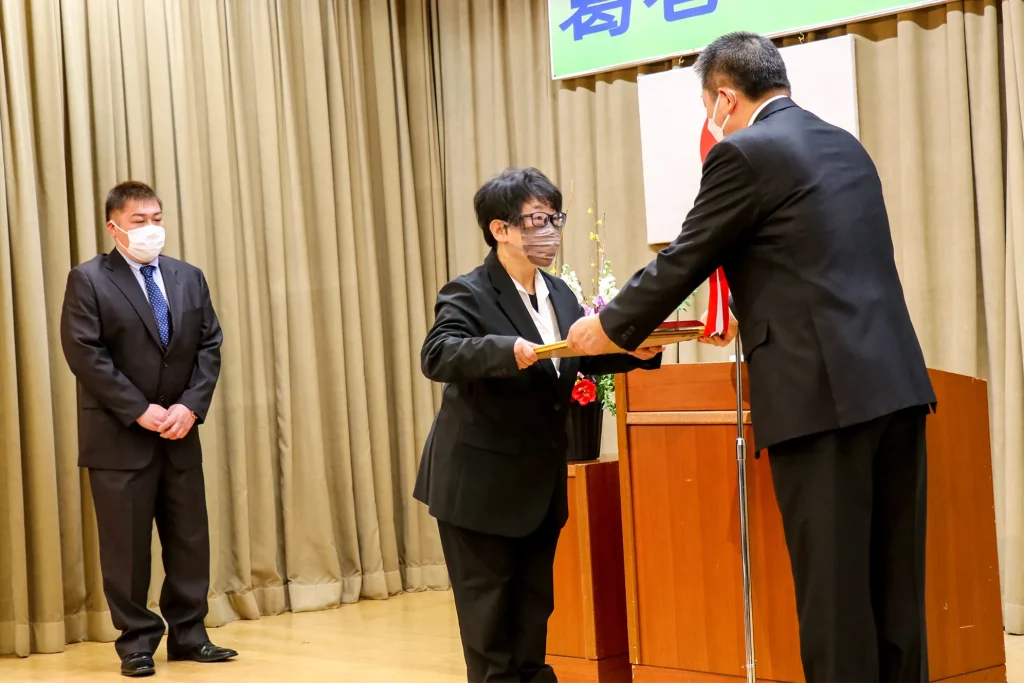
(541, 245)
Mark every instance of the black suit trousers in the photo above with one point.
(853, 505)
(127, 502)
(504, 594)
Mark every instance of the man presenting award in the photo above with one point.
(792, 208)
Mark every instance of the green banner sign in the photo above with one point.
(588, 36)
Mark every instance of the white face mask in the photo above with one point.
(718, 132)
(144, 243)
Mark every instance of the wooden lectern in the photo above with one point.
(680, 525)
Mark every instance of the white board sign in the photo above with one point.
(672, 116)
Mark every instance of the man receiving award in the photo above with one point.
(792, 208)
(493, 471)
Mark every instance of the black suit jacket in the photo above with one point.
(496, 453)
(112, 345)
(792, 207)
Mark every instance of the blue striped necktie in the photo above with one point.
(160, 310)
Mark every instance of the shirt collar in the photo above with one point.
(760, 109)
(135, 265)
(539, 285)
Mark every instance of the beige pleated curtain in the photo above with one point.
(317, 158)
(295, 147)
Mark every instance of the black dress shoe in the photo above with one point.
(204, 653)
(138, 664)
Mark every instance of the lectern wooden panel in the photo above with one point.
(565, 627)
(587, 639)
(965, 621)
(681, 534)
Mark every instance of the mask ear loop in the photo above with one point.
(714, 115)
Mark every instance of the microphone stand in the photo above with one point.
(741, 468)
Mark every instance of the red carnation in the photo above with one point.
(585, 392)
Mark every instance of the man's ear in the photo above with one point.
(721, 97)
(498, 231)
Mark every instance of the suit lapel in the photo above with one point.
(175, 295)
(511, 303)
(121, 275)
(567, 312)
(566, 307)
(510, 300)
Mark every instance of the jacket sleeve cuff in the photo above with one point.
(621, 333)
(131, 414)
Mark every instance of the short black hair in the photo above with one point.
(502, 197)
(748, 61)
(127, 191)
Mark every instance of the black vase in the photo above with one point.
(584, 430)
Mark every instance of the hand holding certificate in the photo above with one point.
(666, 333)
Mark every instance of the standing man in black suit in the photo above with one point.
(494, 470)
(792, 207)
(139, 332)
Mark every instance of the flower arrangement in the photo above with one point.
(599, 388)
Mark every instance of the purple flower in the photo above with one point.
(599, 302)
(587, 310)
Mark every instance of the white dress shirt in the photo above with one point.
(137, 270)
(757, 112)
(544, 319)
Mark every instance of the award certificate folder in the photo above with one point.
(667, 333)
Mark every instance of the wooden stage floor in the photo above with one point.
(412, 637)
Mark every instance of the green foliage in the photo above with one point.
(606, 392)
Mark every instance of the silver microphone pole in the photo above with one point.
(741, 468)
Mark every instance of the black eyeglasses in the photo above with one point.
(540, 219)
